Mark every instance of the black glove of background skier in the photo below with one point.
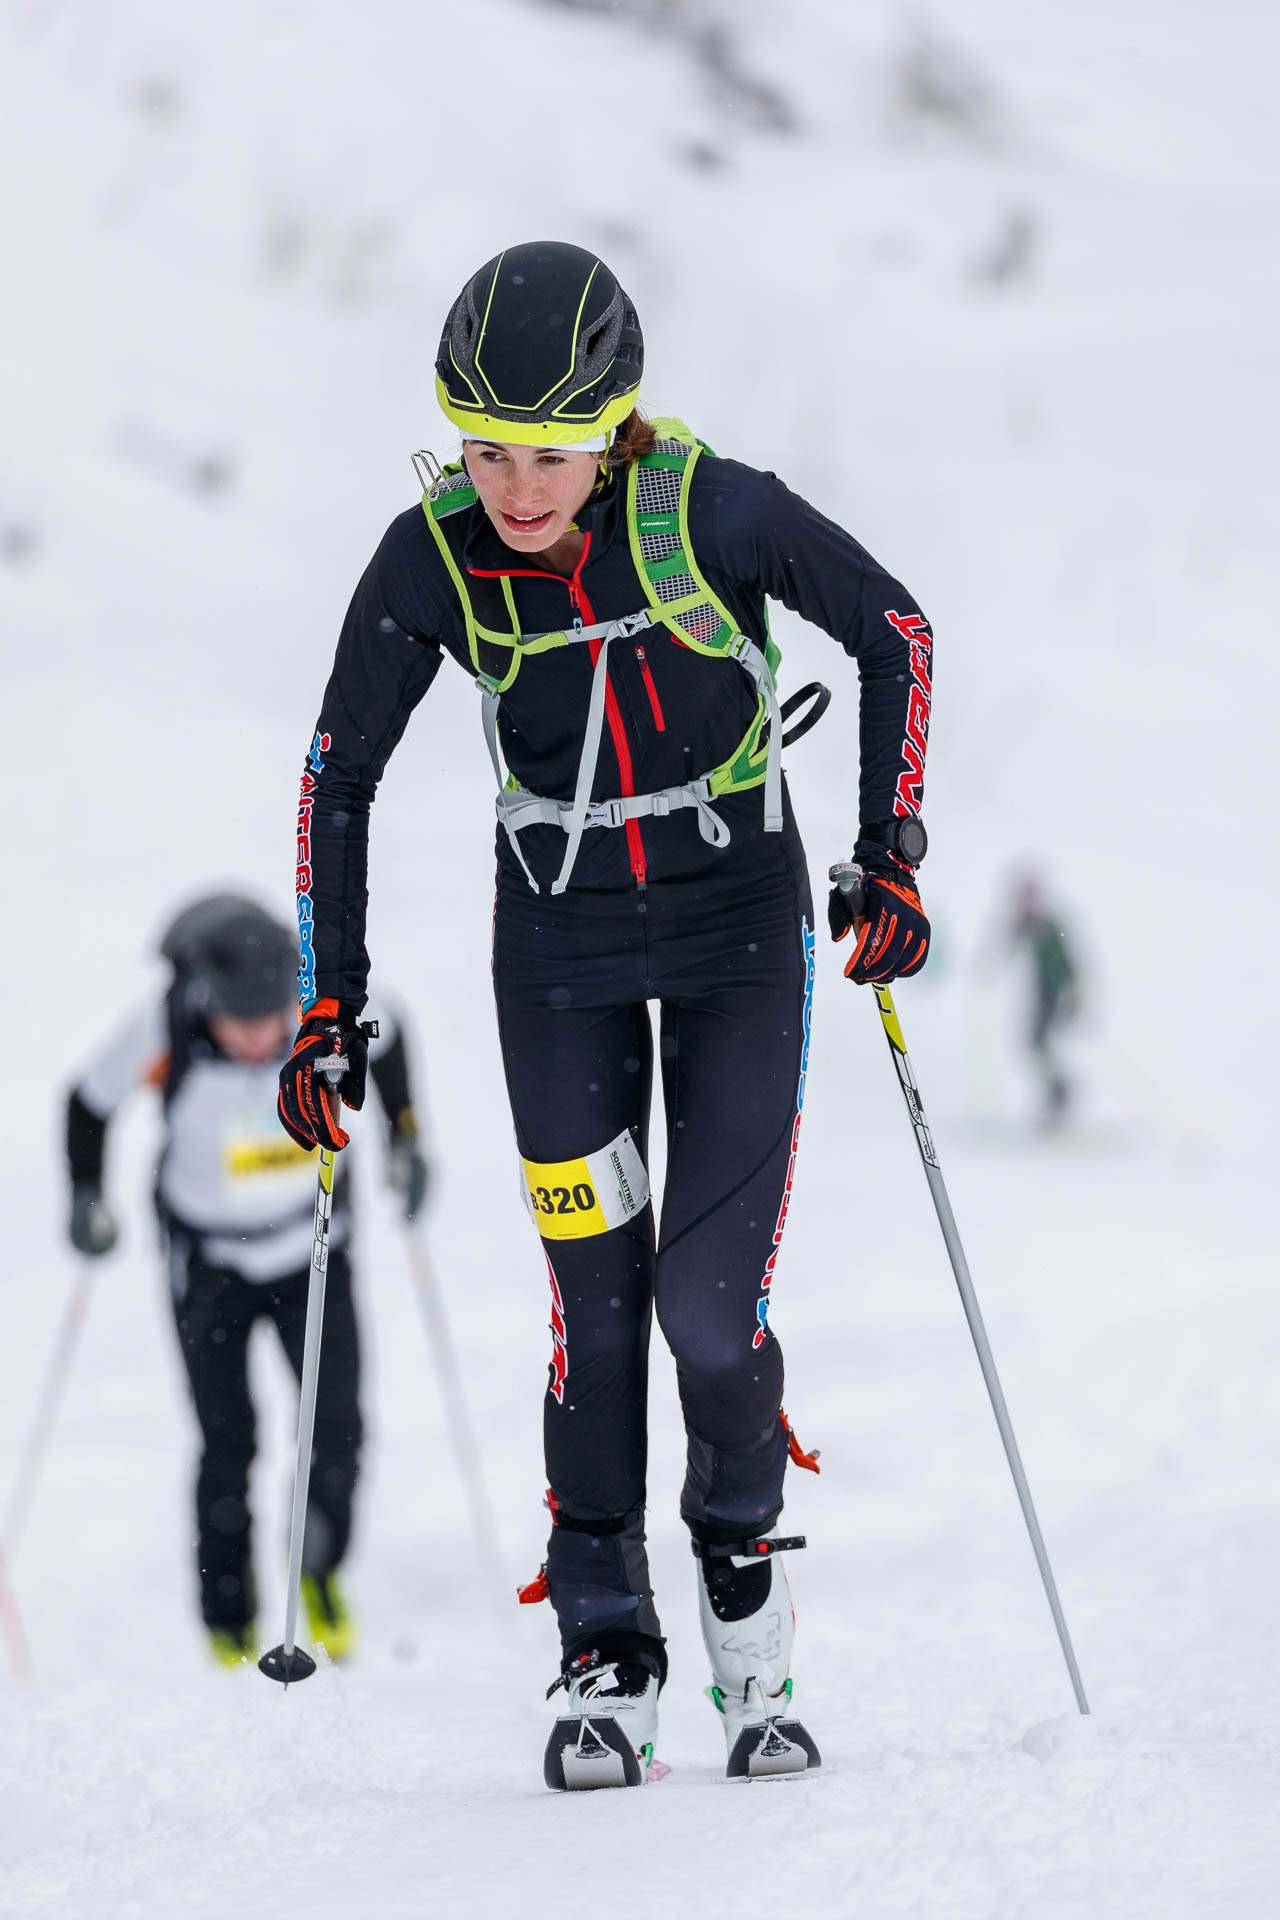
(894, 941)
(92, 1226)
(309, 1109)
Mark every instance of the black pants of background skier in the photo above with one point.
(729, 957)
(215, 1311)
(1050, 1013)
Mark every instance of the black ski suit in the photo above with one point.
(723, 940)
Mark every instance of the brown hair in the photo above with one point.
(634, 438)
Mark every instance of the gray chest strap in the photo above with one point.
(521, 809)
(518, 808)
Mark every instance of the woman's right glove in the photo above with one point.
(309, 1107)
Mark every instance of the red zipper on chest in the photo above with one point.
(651, 690)
(613, 714)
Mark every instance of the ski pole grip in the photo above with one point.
(848, 876)
(333, 1067)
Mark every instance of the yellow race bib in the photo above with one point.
(242, 1159)
(572, 1199)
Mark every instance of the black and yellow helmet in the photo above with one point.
(541, 347)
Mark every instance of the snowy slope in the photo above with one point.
(1002, 300)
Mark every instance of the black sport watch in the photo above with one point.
(904, 836)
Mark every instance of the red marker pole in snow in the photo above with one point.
(849, 880)
(48, 1401)
(32, 1459)
(11, 1627)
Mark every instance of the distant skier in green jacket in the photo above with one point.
(1038, 933)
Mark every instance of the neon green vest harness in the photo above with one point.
(679, 598)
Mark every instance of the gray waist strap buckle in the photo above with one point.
(518, 808)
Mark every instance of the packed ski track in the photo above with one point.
(1031, 363)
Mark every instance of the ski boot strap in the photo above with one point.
(620, 1650)
(576, 1669)
(752, 1548)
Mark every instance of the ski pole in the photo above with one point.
(12, 1628)
(457, 1418)
(287, 1661)
(52, 1387)
(849, 878)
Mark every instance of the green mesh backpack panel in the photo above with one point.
(678, 591)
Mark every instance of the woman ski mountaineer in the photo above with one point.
(604, 579)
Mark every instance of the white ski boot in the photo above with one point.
(606, 1738)
(748, 1626)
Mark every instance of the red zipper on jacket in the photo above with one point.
(613, 713)
(651, 690)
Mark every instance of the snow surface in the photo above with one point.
(228, 242)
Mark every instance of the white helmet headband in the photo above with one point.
(577, 446)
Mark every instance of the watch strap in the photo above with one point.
(888, 834)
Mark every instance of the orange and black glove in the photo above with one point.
(893, 941)
(309, 1105)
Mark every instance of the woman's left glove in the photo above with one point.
(308, 1106)
(894, 941)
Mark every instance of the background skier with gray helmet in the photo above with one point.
(235, 1201)
(603, 580)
